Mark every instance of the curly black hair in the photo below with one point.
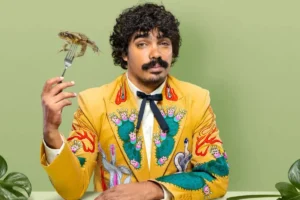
(143, 18)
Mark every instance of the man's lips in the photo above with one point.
(156, 68)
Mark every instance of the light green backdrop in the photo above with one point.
(245, 52)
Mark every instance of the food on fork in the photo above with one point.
(79, 39)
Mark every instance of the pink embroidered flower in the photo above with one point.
(132, 136)
(157, 142)
(163, 135)
(162, 160)
(132, 117)
(215, 152)
(178, 117)
(76, 146)
(117, 121)
(217, 155)
(124, 116)
(206, 190)
(171, 112)
(138, 145)
(135, 164)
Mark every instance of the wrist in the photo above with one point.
(155, 191)
(49, 129)
(53, 139)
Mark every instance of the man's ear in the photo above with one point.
(125, 57)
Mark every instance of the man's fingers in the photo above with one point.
(60, 87)
(49, 83)
(63, 95)
(63, 103)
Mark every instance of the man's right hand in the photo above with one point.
(54, 99)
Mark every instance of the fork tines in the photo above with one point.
(69, 57)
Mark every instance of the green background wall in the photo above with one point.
(245, 52)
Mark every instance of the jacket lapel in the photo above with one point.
(122, 115)
(164, 145)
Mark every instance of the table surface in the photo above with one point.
(93, 195)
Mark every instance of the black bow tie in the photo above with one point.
(151, 98)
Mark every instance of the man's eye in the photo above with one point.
(165, 43)
(140, 45)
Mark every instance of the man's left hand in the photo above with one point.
(134, 191)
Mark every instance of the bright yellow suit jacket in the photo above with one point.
(189, 160)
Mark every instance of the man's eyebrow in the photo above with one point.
(140, 35)
(146, 34)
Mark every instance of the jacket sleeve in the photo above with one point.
(208, 178)
(71, 170)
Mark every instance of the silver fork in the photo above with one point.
(69, 57)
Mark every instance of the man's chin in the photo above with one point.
(155, 78)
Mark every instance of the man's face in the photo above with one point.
(144, 48)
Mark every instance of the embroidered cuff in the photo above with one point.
(51, 154)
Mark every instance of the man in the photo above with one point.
(146, 135)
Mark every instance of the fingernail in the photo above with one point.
(72, 82)
(75, 94)
(61, 78)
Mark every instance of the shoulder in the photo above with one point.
(197, 99)
(190, 90)
(95, 95)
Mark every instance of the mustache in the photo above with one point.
(153, 62)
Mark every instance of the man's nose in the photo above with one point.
(154, 53)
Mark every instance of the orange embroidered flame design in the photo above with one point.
(203, 141)
(205, 138)
(173, 96)
(119, 98)
(83, 136)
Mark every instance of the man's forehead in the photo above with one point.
(146, 34)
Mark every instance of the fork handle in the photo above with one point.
(63, 74)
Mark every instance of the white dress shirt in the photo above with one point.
(147, 126)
